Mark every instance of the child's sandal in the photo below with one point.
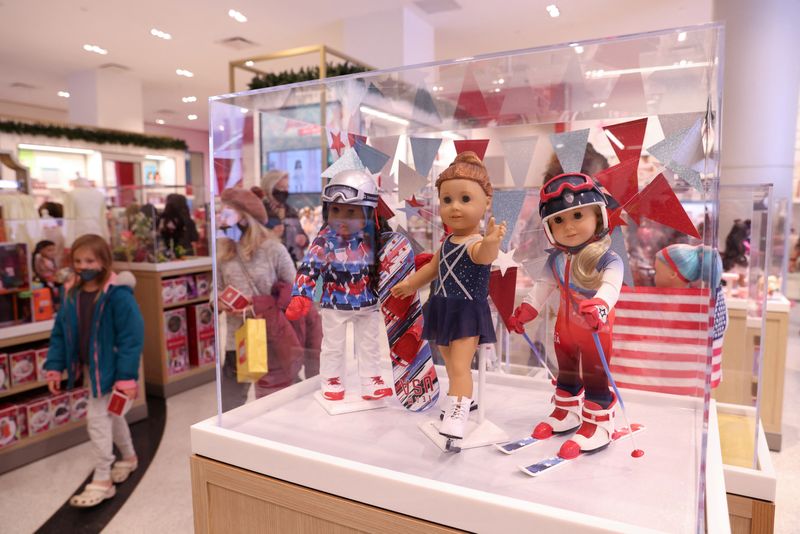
(122, 470)
(92, 495)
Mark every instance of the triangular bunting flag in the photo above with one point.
(409, 181)
(680, 150)
(387, 145)
(627, 96)
(475, 145)
(615, 219)
(626, 138)
(658, 203)
(519, 154)
(335, 142)
(471, 104)
(425, 109)
(383, 209)
(354, 139)
(424, 151)
(348, 162)
(502, 290)
(351, 92)
(671, 123)
(506, 205)
(621, 180)
(570, 148)
(415, 246)
(371, 157)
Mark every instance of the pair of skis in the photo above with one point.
(548, 464)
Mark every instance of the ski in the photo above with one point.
(513, 446)
(548, 464)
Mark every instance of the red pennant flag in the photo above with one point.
(471, 104)
(502, 291)
(615, 219)
(621, 180)
(627, 138)
(475, 145)
(414, 203)
(352, 139)
(658, 203)
(383, 210)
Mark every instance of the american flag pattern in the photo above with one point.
(662, 336)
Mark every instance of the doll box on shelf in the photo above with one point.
(201, 334)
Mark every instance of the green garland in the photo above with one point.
(305, 74)
(93, 135)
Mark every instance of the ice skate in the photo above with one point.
(596, 431)
(373, 388)
(332, 389)
(565, 417)
(472, 407)
(455, 418)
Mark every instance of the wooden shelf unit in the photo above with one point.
(149, 296)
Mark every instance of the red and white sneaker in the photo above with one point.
(373, 388)
(332, 389)
(566, 415)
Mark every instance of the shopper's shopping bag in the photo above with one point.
(251, 350)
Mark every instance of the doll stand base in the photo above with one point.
(352, 402)
(477, 434)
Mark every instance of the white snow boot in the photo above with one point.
(455, 418)
(596, 431)
(565, 417)
(373, 388)
(332, 388)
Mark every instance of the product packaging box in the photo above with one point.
(187, 287)
(78, 403)
(176, 340)
(42, 304)
(167, 292)
(5, 380)
(60, 409)
(9, 430)
(23, 367)
(39, 416)
(202, 283)
(201, 334)
(22, 421)
(234, 298)
(118, 403)
(41, 357)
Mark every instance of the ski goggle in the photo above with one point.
(346, 194)
(573, 182)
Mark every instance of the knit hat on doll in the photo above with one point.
(245, 201)
(692, 262)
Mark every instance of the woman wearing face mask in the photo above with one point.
(253, 264)
(275, 185)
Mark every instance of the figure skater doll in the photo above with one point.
(458, 317)
(589, 277)
(679, 266)
(345, 255)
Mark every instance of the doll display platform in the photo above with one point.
(380, 458)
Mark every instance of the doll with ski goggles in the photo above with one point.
(588, 276)
(343, 258)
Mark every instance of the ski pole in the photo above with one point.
(636, 453)
(538, 356)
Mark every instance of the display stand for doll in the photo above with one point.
(480, 433)
(351, 403)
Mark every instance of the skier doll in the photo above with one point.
(589, 277)
(458, 316)
(344, 255)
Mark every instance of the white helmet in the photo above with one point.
(352, 187)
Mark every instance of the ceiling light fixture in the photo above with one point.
(155, 158)
(237, 15)
(552, 9)
(63, 94)
(681, 37)
(383, 115)
(96, 49)
(161, 35)
(192, 117)
(160, 121)
(249, 63)
(184, 72)
(48, 148)
(189, 99)
(578, 48)
(244, 111)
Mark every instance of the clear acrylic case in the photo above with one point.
(658, 93)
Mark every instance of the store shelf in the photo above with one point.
(170, 268)
(198, 300)
(22, 388)
(26, 333)
(194, 371)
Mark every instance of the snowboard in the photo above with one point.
(415, 383)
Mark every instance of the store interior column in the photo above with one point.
(106, 98)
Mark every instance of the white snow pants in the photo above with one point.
(366, 329)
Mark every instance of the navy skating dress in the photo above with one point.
(459, 306)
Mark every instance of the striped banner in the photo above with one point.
(661, 339)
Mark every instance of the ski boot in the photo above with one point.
(565, 417)
(373, 388)
(596, 431)
(455, 421)
(332, 389)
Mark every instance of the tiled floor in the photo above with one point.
(162, 500)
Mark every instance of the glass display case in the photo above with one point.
(640, 114)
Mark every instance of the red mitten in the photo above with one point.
(298, 307)
(524, 313)
(595, 312)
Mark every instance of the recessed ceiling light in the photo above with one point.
(552, 9)
(161, 35)
(244, 110)
(237, 15)
(249, 63)
(681, 37)
(188, 99)
(578, 48)
(96, 49)
(159, 121)
(192, 117)
(63, 94)
(184, 72)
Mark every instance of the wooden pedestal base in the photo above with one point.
(750, 516)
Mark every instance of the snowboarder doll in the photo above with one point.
(458, 318)
(679, 266)
(589, 277)
(344, 257)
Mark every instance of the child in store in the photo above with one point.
(458, 317)
(99, 331)
(680, 266)
(344, 255)
(45, 268)
(589, 278)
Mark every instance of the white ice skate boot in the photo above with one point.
(373, 387)
(455, 418)
(596, 429)
(565, 417)
(332, 389)
(446, 404)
